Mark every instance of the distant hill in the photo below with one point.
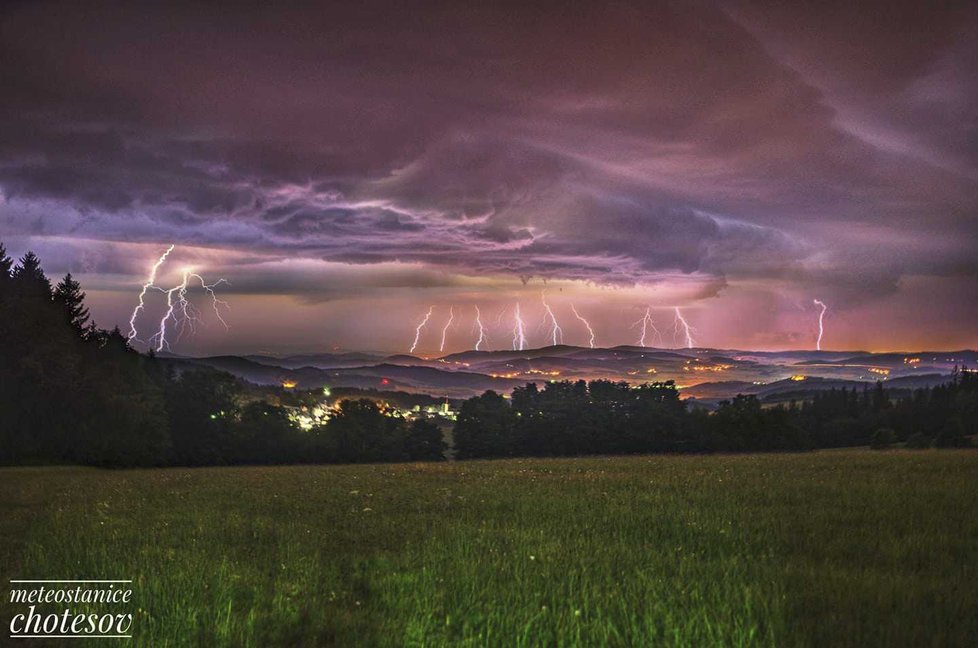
(788, 389)
(319, 360)
(413, 379)
(702, 373)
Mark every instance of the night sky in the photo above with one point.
(347, 167)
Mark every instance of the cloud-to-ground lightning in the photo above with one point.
(444, 331)
(150, 283)
(178, 307)
(590, 331)
(209, 289)
(519, 330)
(417, 331)
(482, 330)
(647, 323)
(821, 323)
(556, 333)
(182, 311)
(683, 327)
(159, 338)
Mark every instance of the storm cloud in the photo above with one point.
(791, 148)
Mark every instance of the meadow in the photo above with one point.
(855, 548)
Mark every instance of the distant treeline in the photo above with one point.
(73, 393)
(603, 417)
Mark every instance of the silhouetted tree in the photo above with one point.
(361, 432)
(6, 265)
(202, 407)
(122, 409)
(30, 278)
(423, 441)
(485, 427)
(264, 434)
(69, 296)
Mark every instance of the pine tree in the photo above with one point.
(69, 295)
(6, 265)
(29, 277)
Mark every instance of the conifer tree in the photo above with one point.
(69, 295)
(29, 277)
(6, 265)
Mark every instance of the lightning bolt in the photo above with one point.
(821, 326)
(555, 330)
(444, 331)
(682, 326)
(150, 283)
(417, 331)
(183, 313)
(590, 331)
(482, 330)
(209, 289)
(519, 330)
(179, 309)
(159, 338)
(647, 323)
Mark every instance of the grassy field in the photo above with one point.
(836, 548)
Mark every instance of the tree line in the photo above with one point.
(603, 417)
(71, 392)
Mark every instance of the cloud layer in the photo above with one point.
(716, 146)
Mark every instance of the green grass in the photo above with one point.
(835, 548)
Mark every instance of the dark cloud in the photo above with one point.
(614, 144)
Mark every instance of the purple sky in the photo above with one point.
(346, 167)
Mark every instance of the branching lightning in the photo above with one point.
(647, 323)
(182, 311)
(482, 330)
(215, 302)
(519, 330)
(444, 331)
(590, 331)
(150, 283)
(159, 338)
(417, 331)
(821, 323)
(556, 333)
(682, 327)
(179, 309)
